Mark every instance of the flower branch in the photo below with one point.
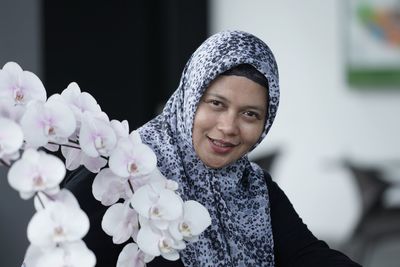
(144, 205)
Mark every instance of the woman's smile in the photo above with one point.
(220, 146)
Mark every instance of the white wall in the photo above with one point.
(320, 119)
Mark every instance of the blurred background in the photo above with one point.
(334, 147)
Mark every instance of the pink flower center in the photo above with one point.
(132, 167)
(38, 181)
(18, 95)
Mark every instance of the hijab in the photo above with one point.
(236, 195)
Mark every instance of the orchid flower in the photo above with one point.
(121, 222)
(131, 159)
(57, 223)
(11, 138)
(79, 102)
(20, 86)
(36, 171)
(96, 137)
(194, 221)
(152, 214)
(51, 121)
(131, 256)
(156, 242)
(74, 254)
(108, 188)
(157, 204)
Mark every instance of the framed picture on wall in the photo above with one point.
(373, 43)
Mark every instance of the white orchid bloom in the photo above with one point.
(159, 205)
(57, 223)
(121, 222)
(194, 221)
(36, 171)
(79, 102)
(50, 121)
(155, 242)
(20, 86)
(75, 254)
(131, 256)
(131, 159)
(11, 138)
(74, 157)
(63, 196)
(96, 137)
(108, 188)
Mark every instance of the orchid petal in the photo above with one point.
(121, 128)
(148, 240)
(72, 157)
(197, 215)
(32, 256)
(93, 164)
(74, 254)
(63, 196)
(96, 136)
(11, 111)
(11, 137)
(135, 137)
(172, 256)
(131, 256)
(108, 188)
(120, 222)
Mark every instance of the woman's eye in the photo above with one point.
(215, 103)
(252, 114)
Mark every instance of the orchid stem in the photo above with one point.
(74, 142)
(40, 200)
(130, 186)
(66, 145)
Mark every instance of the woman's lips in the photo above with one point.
(220, 146)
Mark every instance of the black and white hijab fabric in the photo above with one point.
(236, 196)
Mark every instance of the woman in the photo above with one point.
(223, 108)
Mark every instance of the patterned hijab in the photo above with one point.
(236, 195)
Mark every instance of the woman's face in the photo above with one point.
(229, 120)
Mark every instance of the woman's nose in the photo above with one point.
(227, 123)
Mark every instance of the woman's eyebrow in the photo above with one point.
(220, 97)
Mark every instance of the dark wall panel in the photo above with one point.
(128, 54)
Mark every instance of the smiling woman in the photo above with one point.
(224, 106)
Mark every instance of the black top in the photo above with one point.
(294, 244)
